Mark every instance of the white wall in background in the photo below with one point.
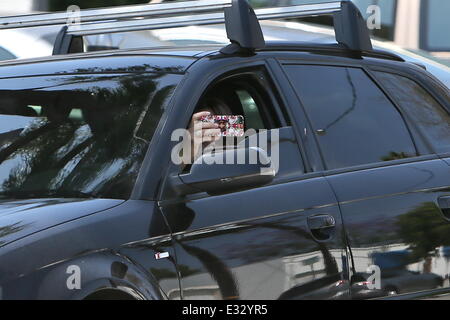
(10, 7)
(13, 7)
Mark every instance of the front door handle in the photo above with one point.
(322, 226)
(444, 204)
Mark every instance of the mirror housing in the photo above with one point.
(226, 171)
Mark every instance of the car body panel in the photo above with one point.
(211, 245)
(20, 218)
(108, 63)
(385, 210)
(256, 244)
(380, 203)
(220, 240)
(93, 243)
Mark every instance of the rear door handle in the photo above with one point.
(322, 226)
(444, 204)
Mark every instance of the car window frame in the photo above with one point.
(425, 79)
(365, 66)
(259, 78)
(285, 118)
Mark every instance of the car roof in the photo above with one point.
(170, 57)
(163, 59)
(118, 61)
(177, 59)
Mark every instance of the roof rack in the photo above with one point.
(240, 19)
(328, 48)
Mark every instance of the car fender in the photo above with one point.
(77, 278)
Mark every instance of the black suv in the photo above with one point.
(93, 207)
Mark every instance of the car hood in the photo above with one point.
(20, 218)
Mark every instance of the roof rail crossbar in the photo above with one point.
(114, 13)
(200, 19)
(243, 28)
(66, 43)
(145, 24)
(241, 21)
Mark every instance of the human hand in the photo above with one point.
(202, 132)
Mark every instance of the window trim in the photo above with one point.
(302, 126)
(254, 89)
(164, 192)
(375, 165)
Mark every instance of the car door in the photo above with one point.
(391, 184)
(281, 240)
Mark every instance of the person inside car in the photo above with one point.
(205, 134)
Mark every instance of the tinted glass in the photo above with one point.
(80, 136)
(422, 108)
(354, 121)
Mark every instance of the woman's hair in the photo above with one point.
(216, 106)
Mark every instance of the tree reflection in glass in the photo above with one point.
(82, 136)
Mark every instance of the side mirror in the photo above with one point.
(226, 171)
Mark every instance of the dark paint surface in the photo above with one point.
(80, 65)
(393, 221)
(19, 218)
(114, 249)
(254, 244)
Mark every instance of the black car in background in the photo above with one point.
(93, 207)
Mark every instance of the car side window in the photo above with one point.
(245, 95)
(354, 122)
(426, 113)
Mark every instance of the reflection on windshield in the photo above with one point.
(82, 136)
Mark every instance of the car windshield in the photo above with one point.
(77, 136)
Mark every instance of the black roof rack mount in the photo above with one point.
(241, 22)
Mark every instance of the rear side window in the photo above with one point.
(354, 122)
(431, 118)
